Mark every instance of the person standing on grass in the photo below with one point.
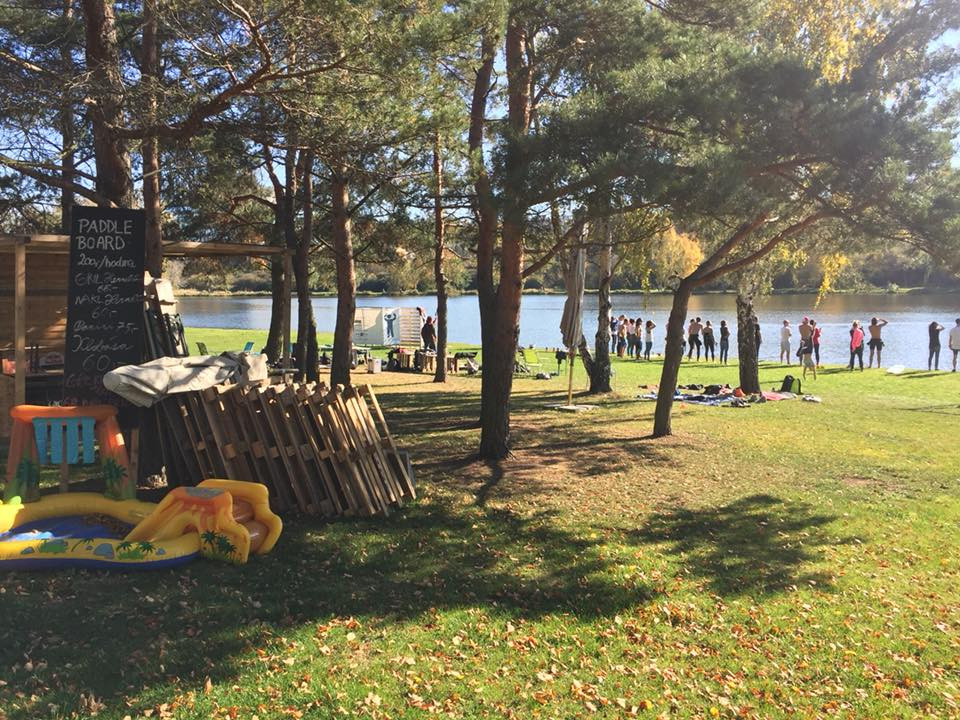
(428, 333)
(806, 356)
(815, 340)
(856, 344)
(933, 359)
(708, 343)
(648, 339)
(954, 343)
(785, 334)
(724, 342)
(614, 326)
(876, 341)
(693, 333)
(805, 329)
(757, 337)
(622, 337)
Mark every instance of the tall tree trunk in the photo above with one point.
(485, 208)
(114, 179)
(600, 367)
(285, 236)
(440, 374)
(672, 357)
(746, 344)
(278, 285)
(67, 152)
(346, 276)
(150, 148)
(307, 350)
(498, 357)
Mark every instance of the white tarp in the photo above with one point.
(151, 382)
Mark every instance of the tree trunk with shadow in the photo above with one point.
(746, 345)
(440, 374)
(346, 276)
(672, 358)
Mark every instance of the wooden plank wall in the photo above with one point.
(46, 300)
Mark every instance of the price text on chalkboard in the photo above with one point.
(105, 301)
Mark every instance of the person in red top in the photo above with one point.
(856, 344)
(816, 340)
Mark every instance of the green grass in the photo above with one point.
(786, 560)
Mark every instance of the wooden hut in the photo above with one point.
(34, 273)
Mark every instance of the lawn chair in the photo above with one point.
(202, 348)
(248, 348)
(531, 360)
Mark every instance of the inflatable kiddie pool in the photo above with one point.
(219, 519)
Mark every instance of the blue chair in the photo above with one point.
(54, 449)
(248, 347)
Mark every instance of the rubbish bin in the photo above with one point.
(374, 365)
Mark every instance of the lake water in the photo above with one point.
(905, 336)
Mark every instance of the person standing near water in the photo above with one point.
(876, 341)
(708, 343)
(648, 339)
(693, 333)
(806, 356)
(613, 334)
(856, 344)
(428, 333)
(815, 339)
(955, 343)
(757, 337)
(785, 334)
(933, 359)
(724, 342)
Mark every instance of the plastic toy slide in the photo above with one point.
(219, 519)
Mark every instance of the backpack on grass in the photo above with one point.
(790, 384)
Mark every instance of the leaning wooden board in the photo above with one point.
(323, 451)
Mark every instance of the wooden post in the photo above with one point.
(20, 321)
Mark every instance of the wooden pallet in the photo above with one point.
(323, 451)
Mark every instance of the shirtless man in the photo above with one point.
(876, 341)
(693, 333)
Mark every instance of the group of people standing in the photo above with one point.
(953, 342)
(631, 338)
(809, 350)
(702, 335)
(634, 338)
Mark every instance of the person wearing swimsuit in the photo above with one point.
(876, 341)
(693, 333)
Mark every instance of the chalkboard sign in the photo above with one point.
(104, 301)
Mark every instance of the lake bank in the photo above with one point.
(906, 336)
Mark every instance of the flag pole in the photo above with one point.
(570, 380)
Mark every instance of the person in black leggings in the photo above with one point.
(693, 335)
(724, 342)
(708, 342)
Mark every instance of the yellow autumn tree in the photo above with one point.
(831, 34)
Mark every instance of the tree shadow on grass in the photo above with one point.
(756, 545)
(159, 634)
